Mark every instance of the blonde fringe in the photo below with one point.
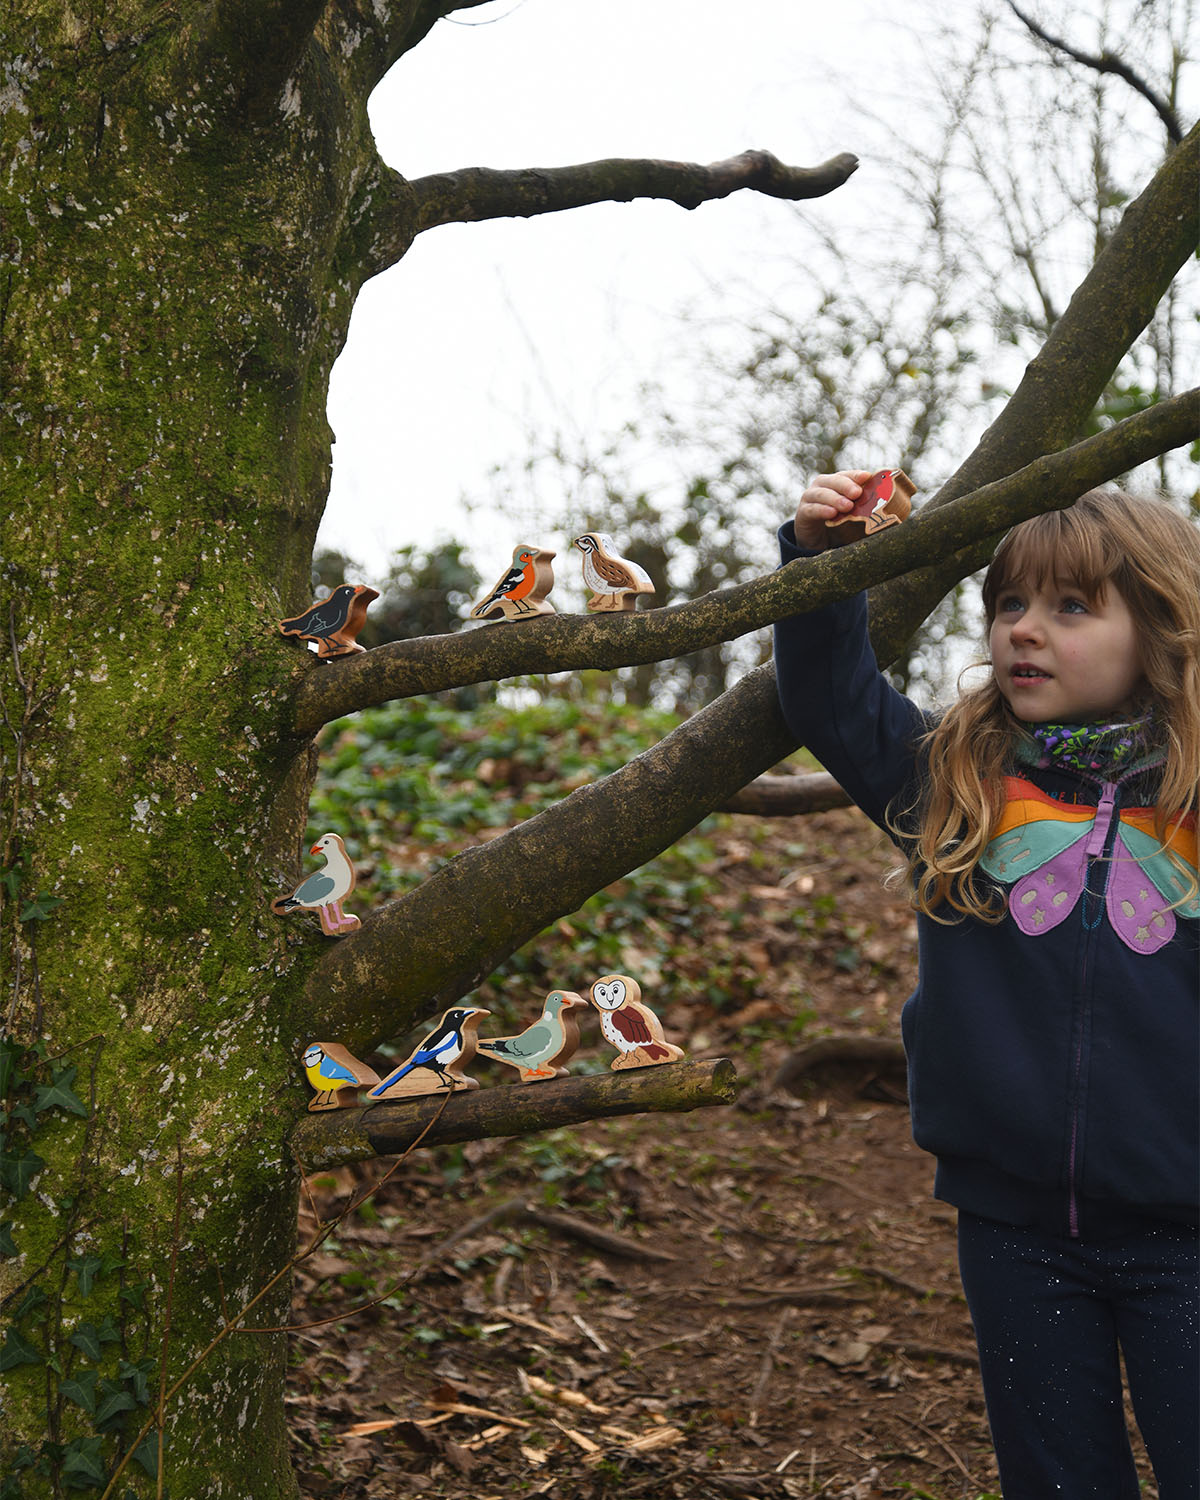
(1151, 555)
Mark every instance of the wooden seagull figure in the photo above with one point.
(543, 1049)
(632, 1028)
(521, 593)
(437, 1062)
(324, 891)
(615, 581)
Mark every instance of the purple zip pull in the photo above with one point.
(1104, 813)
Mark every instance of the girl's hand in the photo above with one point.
(826, 498)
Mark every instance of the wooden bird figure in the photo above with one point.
(334, 622)
(632, 1028)
(325, 890)
(543, 1049)
(615, 581)
(336, 1075)
(521, 593)
(438, 1061)
(885, 501)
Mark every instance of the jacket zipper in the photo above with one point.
(1098, 846)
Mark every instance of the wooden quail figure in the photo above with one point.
(334, 622)
(632, 1028)
(336, 1075)
(437, 1062)
(615, 582)
(544, 1048)
(325, 890)
(885, 501)
(521, 593)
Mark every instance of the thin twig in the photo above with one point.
(166, 1338)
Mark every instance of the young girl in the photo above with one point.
(1048, 819)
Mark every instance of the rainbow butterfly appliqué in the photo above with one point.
(1042, 849)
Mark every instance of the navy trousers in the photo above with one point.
(1052, 1317)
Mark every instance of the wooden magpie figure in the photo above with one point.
(437, 1062)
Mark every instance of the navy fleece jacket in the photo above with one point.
(1055, 1076)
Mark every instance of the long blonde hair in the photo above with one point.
(1107, 539)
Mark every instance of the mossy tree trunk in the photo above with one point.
(191, 199)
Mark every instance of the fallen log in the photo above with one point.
(787, 796)
(361, 1134)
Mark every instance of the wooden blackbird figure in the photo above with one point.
(632, 1028)
(615, 582)
(336, 1075)
(521, 593)
(334, 622)
(886, 500)
(324, 891)
(437, 1062)
(543, 1049)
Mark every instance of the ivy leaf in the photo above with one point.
(60, 1095)
(40, 907)
(10, 1052)
(30, 1302)
(138, 1376)
(135, 1295)
(11, 881)
(146, 1454)
(17, 1172)
(23, 1111)
(82, 1390)
(81, 1467)
(8, 1246)
(18, 1351)
(86, 1268)
(87, 1338)
(112, 1406)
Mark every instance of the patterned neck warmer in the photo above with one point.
(1102, 750)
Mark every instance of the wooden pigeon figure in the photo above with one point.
(543, 1049)
(437, 1062)
(521, 593)
(324, 891)
(336, 1075)
(615, 582)
(886, 500)
(333, 622)
(632, 1028)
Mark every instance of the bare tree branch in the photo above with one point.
(345, 1135)
(1060, 387)
(1106, 62)
(476, 193)
(559, 643)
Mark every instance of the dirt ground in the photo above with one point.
(758, 1300)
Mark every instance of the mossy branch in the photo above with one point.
(344, 1135)
(559, 643)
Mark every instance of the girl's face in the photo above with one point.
(1060, 657)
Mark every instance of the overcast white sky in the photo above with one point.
(487, 330)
